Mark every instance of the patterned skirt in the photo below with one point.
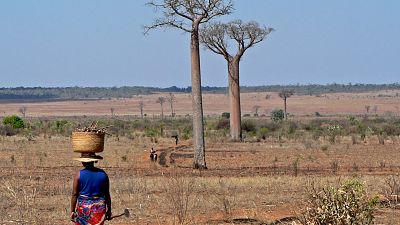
(90, 211)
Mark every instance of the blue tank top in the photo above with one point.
(92, 182)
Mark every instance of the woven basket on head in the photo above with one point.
(87, 141)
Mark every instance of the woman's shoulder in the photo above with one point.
(98, 170)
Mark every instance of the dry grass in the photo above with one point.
(244, 180)
(327, 104)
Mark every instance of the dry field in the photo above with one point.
(386, 102)
(245, 183)
(248, 183)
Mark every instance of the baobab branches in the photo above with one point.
(216, 36)
(182, 14)
(187, 15)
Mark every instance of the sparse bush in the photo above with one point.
(7, 130)
(180, 195)
(324, 147)
(223, 124)
(391, 129)
(224, 198)
(335, 166)
(333, 131)
(381, 139)
(262, 133)
(295, 166)
(346, 205)
(290, 127)
(150, 132)
(353, 139)
(392, 189)
(248, 126)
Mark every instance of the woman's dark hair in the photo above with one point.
(88, 164)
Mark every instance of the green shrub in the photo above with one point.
(14, 121)
(262, 133)
(348, 204)
(150, 132)
(333, 131)
(226, 115)
(186, 133)
(277, 115)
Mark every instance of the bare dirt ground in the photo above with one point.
(258, 180)
(245, 183)
(385, 102)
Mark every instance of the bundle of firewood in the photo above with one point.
(92, 128)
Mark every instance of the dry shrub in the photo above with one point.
(345, 205)
(180, 194)
(381, 139)
(392, 190)
(224, 198)
(354, 139)
(18, 201)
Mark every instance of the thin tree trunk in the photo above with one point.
(284, 102)
(172, 109)
(234, 96)
(199, 161)
(162, 111)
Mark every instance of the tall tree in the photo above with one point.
(216, 37)
(285, 94)
(161, 101)
(187, 15)
(171, 99)
(141, 107)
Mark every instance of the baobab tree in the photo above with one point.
(171, 99)
(187, 15)
(285, 94)
(216, 37)
(161, 101)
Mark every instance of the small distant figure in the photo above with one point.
(153, 155)
(176, 139)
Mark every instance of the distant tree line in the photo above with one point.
(71, 93)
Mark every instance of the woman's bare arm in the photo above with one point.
(108, 199)
(75, 191)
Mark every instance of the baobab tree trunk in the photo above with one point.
(199, 161)
(234, 96)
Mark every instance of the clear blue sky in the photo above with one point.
(57, 43)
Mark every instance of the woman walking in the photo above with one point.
(90, 201)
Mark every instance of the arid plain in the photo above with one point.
(252, 182)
